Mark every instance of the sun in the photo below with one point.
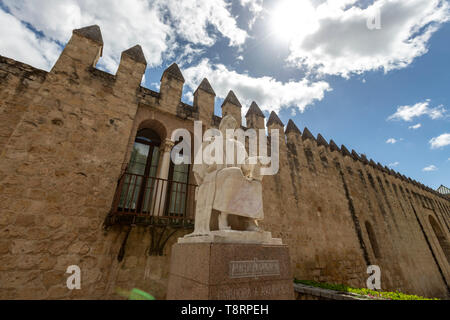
(293, 19)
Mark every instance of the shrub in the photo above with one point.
(396, 295)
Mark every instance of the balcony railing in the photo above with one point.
(153, 201)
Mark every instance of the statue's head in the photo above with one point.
(228, 122)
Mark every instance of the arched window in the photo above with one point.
(178, 188)
(141, 172)
(373, 240)
(443, 242)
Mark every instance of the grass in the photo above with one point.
(362, 291)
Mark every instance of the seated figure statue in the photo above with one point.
(230, 188)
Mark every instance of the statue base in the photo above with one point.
(230, 271)
(233, 236)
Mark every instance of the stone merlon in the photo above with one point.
(321, 141)
(206, 86)
(254, 109)
(345, 151)
(136, 54)
(380, 167)
(92, 32)
(231, 98)
(333, 146)
(355, 155)
(291, 127)
(364, 159)
(307, 134)
(273, 119)
(174, 71)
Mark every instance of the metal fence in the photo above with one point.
(154, 200)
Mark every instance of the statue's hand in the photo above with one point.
(255, 172)
(252, 171)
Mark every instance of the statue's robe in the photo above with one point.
(238, 195)
(231, 188)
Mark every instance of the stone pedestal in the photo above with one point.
(233, 236)
(230, 271)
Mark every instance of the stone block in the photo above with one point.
(226, 271)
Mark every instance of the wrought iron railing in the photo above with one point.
(152, 201)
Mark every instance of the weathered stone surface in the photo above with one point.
(254, 110)
(273, 119)
(91, 32)
(136, 54)
(292, 128)
(364, 159)
(230, 272)
(321, 141)
(380, 167)
(355, 155)
(345, 151)
(307, 135)
(173, 71)
(231, 98)
(333, 146)
(25, 220)
(206, 86)
(255, 117)
(4, 246)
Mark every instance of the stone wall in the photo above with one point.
(66, 137)
(326, 200)
(18, 83)
(58, 174)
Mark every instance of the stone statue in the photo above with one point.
(230, 188)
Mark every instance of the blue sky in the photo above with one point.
(383, 92)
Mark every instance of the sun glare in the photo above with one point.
(293, 19)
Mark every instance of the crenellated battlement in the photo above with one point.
(81, 54)
(344, 152)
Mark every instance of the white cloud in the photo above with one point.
(391, 141)
(191, 19)
(189, 96)
(329, 36)
(430, 168)
(255, 7)
(123, 25)
(408, 113)
(188, 55)
(440, 141)
(269, 93)
(394, 164)
(155, 85)
(293, 112)
(20, 43)
(155, 25)
(415, 127)
(336, 39)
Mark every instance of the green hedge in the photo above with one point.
(362, 291)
